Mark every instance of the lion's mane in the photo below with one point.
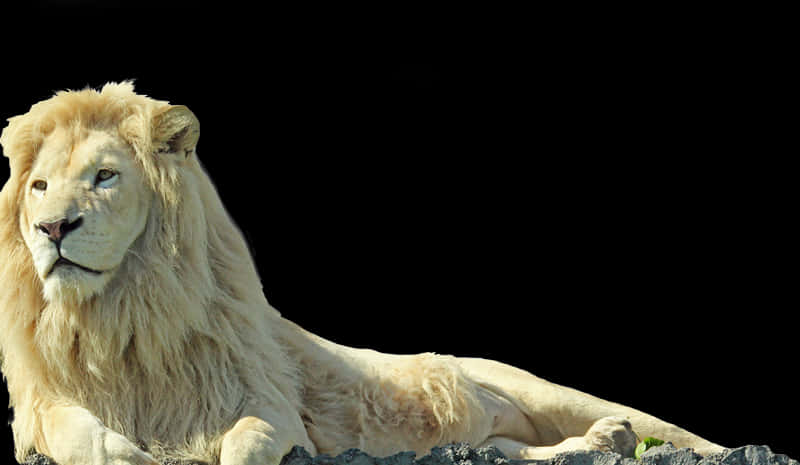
(183, 326)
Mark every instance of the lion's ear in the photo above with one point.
(177, 129)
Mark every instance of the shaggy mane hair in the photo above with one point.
(132, 353)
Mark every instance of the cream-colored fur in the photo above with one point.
(133, 325)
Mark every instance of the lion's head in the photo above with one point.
(84, 206)
(87, 175)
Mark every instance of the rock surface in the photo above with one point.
(463, 454)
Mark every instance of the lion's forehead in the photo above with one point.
(64, 155)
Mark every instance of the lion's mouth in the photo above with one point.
(65, 262)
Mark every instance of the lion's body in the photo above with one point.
(131, 314)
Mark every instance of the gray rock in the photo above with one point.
(755, 455)
(463, 454)
(38, 459)
(593, 457)
(669, 455)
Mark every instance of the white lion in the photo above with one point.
(133, 324)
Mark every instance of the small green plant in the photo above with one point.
(647, 443)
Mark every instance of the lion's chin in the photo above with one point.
(72, 283)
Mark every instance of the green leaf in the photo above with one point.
(640, 448)
(647, 443)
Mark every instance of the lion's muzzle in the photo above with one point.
(56, 230)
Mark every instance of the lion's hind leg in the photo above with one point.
(611, 434)
(515, 435)
(405, 402)
(417, 402)
(559, 413)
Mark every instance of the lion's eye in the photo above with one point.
(104, 175)
(39, 185)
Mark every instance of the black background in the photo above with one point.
(567, 199)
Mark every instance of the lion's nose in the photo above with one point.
(56, 230)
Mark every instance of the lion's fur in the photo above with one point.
(194, 332)
(183, 337)
(392, 403)
(179, 350)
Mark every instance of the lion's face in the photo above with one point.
(83, 207)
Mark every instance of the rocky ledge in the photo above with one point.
(463, 454)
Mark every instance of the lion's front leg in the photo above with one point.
(73, 436)
(253, 441)
(250, 441)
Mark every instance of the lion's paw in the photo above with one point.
(612, 434)
(119, 451)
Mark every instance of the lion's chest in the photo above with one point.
(152, 398)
